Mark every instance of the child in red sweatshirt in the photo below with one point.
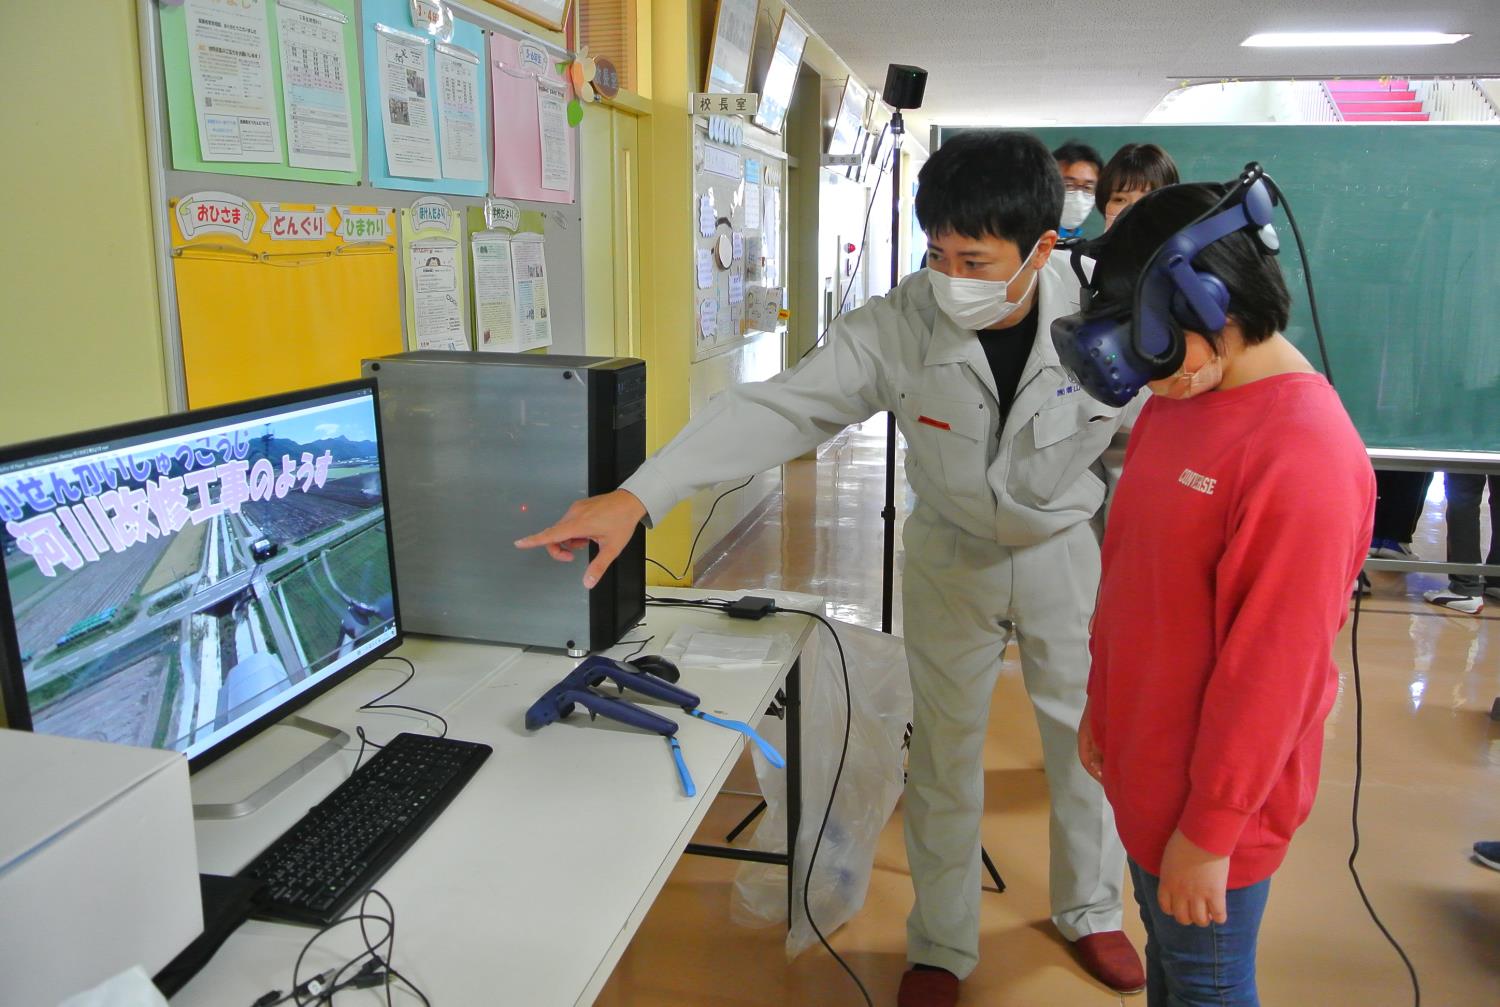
(1236, 531)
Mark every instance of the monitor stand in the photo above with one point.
(334, 741)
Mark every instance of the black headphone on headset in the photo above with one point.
(1114, 349)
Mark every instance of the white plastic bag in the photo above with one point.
(872, 780)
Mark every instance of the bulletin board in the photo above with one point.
(739, 215)
(266, 123)
(532, 161)
(342, 329)
(390, 20)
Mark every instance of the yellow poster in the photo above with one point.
(276, 297)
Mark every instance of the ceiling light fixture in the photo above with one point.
(1304, 39)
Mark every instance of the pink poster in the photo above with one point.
(534, 145)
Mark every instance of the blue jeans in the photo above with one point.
(1192, 966)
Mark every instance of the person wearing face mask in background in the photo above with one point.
(1010, 463)
(1079, 164)
(1136, 169)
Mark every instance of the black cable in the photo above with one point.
(720, 604)
(1312, 300)
(1359, 701)
(368, 975)
(373, 949)
(376, 704)
(812, 859)
(864, 242)
(1359, 759)
(694, 547)
(299, 995)
(637, 652)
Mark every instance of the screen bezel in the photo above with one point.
(12, 676)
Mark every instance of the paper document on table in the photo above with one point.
(714, 648)
(406, 109)
(458, 112)
(229, 53)
(315, 86)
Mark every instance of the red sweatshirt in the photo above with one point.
(1236, 533)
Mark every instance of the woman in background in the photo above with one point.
(1136, 169)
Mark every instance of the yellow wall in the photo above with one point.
(678, 30)
(80, 344)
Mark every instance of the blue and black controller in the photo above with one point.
(578, 689)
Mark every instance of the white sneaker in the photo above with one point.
(1467, 604)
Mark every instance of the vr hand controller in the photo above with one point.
(577, 689)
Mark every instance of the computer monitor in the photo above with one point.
(184, 582)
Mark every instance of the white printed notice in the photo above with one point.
(708, 319)
(552, 121)
(406, 109)
(229, 55)
(438, 309)
(531, 293)
(705, 269)
(315, 86)
(752, 205)
(458, 112)
(494, 294)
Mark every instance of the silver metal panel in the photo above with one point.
(480, 453)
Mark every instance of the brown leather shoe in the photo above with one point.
(1109, 958)
(928, 989)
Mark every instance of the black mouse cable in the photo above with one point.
(376, 704)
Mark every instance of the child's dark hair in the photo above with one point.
(1258, 298)
(1074, 152)
(990, 183)
(1135, 166)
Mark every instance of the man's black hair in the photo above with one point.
(1135, 166)
(990, 183)
(1074, 152)
(1258, 298)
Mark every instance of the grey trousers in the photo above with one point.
(1464, 491)
(964, 598)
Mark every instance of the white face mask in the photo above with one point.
(979, 304)
(1076, 207)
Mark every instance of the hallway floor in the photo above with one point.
(1431, 788)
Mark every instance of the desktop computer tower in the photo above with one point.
(484, 448)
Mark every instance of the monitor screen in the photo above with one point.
(781, 77)
(849, 122)
(182, 582)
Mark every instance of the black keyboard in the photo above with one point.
(319, 866)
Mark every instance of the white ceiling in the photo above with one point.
(1111, 61)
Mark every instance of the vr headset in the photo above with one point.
(1114, 349)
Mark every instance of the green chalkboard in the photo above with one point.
(1403, 229)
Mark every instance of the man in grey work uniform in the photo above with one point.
(1007, 457)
